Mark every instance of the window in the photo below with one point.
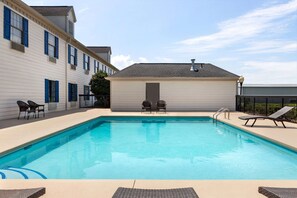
(72, 92)
(86, 62)
(51, 91)
(71, 28)
(51, 45)
(72, 55)
(96, 66)
(86, 92)
(15, 27)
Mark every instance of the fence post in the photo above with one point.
(266, 106)
(254, 105)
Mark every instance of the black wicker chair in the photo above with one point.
(24, 107)
(36, 107)
(161, 104)
(146, 105)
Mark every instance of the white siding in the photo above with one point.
(180, 95)
(22, 74)
(127, 95)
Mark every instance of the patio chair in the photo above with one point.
(36, 107)
(161, 104)
(146, 105)
(156, 193)
(24, 107)
(274, 117)
(272, 192)
(22, 193)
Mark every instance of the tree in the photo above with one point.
(100, 87)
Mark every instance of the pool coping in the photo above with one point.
(33, 141)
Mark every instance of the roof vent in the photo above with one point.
(194, 67)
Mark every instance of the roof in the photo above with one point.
(172, 70)
(54, 10)
(100, 49)
(270, 85)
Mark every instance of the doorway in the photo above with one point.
(153, 93)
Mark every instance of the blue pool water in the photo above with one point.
(151, 148)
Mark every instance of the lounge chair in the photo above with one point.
(146, 105)
(24, 107)
(274, 117)
(36, 107)
(161, 104)
(156, 193)
(22, 193)
(271, 192)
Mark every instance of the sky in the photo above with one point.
(256, 39)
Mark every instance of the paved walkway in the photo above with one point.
(14, 133)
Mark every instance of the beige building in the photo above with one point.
(184, 87)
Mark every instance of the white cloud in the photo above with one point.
(250, 25)
(271, 46)
(82, 10)
(122, 61)
(270, 72)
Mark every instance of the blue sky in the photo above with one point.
(254, 38)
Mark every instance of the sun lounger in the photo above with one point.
(271, 192)
(274, 117)
(22, 193)
(155, 193)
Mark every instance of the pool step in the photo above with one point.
(20, 173)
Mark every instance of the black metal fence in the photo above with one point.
(266, 105)
(94, 101)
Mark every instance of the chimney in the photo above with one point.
(193, 65)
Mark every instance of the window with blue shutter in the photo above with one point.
(16, 27)
(95, 66)
(86, 62)
(72, 92)
(72, 55)
(46, 90)
(84, 59)
(89, 63)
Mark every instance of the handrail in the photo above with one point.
(221, 110)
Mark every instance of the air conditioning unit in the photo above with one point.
(17, 46)
(52, 59)
(73, 67)
(87, 72)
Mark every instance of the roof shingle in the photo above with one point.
(173, 70)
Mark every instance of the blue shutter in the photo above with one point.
(57, 47)
(89, 63)
(95, 66)
(75, 92)
(75, 59)
(7, 17)
(84, 62)
(26, 32)
(69, 54)
(69, 92)
(46, 90)
(57, 91)
(45, 42)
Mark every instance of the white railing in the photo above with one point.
(224, 110)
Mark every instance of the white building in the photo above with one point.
(205, 88)
(42, 62)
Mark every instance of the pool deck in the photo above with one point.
(18, 133)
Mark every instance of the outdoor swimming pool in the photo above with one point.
(151, 148)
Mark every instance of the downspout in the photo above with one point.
(66, 75)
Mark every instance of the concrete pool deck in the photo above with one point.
(14, 133)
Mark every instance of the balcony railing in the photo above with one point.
(266, 105)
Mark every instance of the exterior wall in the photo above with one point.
(60, 21)
(22, 75)
(270, 90)
(105, 56)
(179, 95)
